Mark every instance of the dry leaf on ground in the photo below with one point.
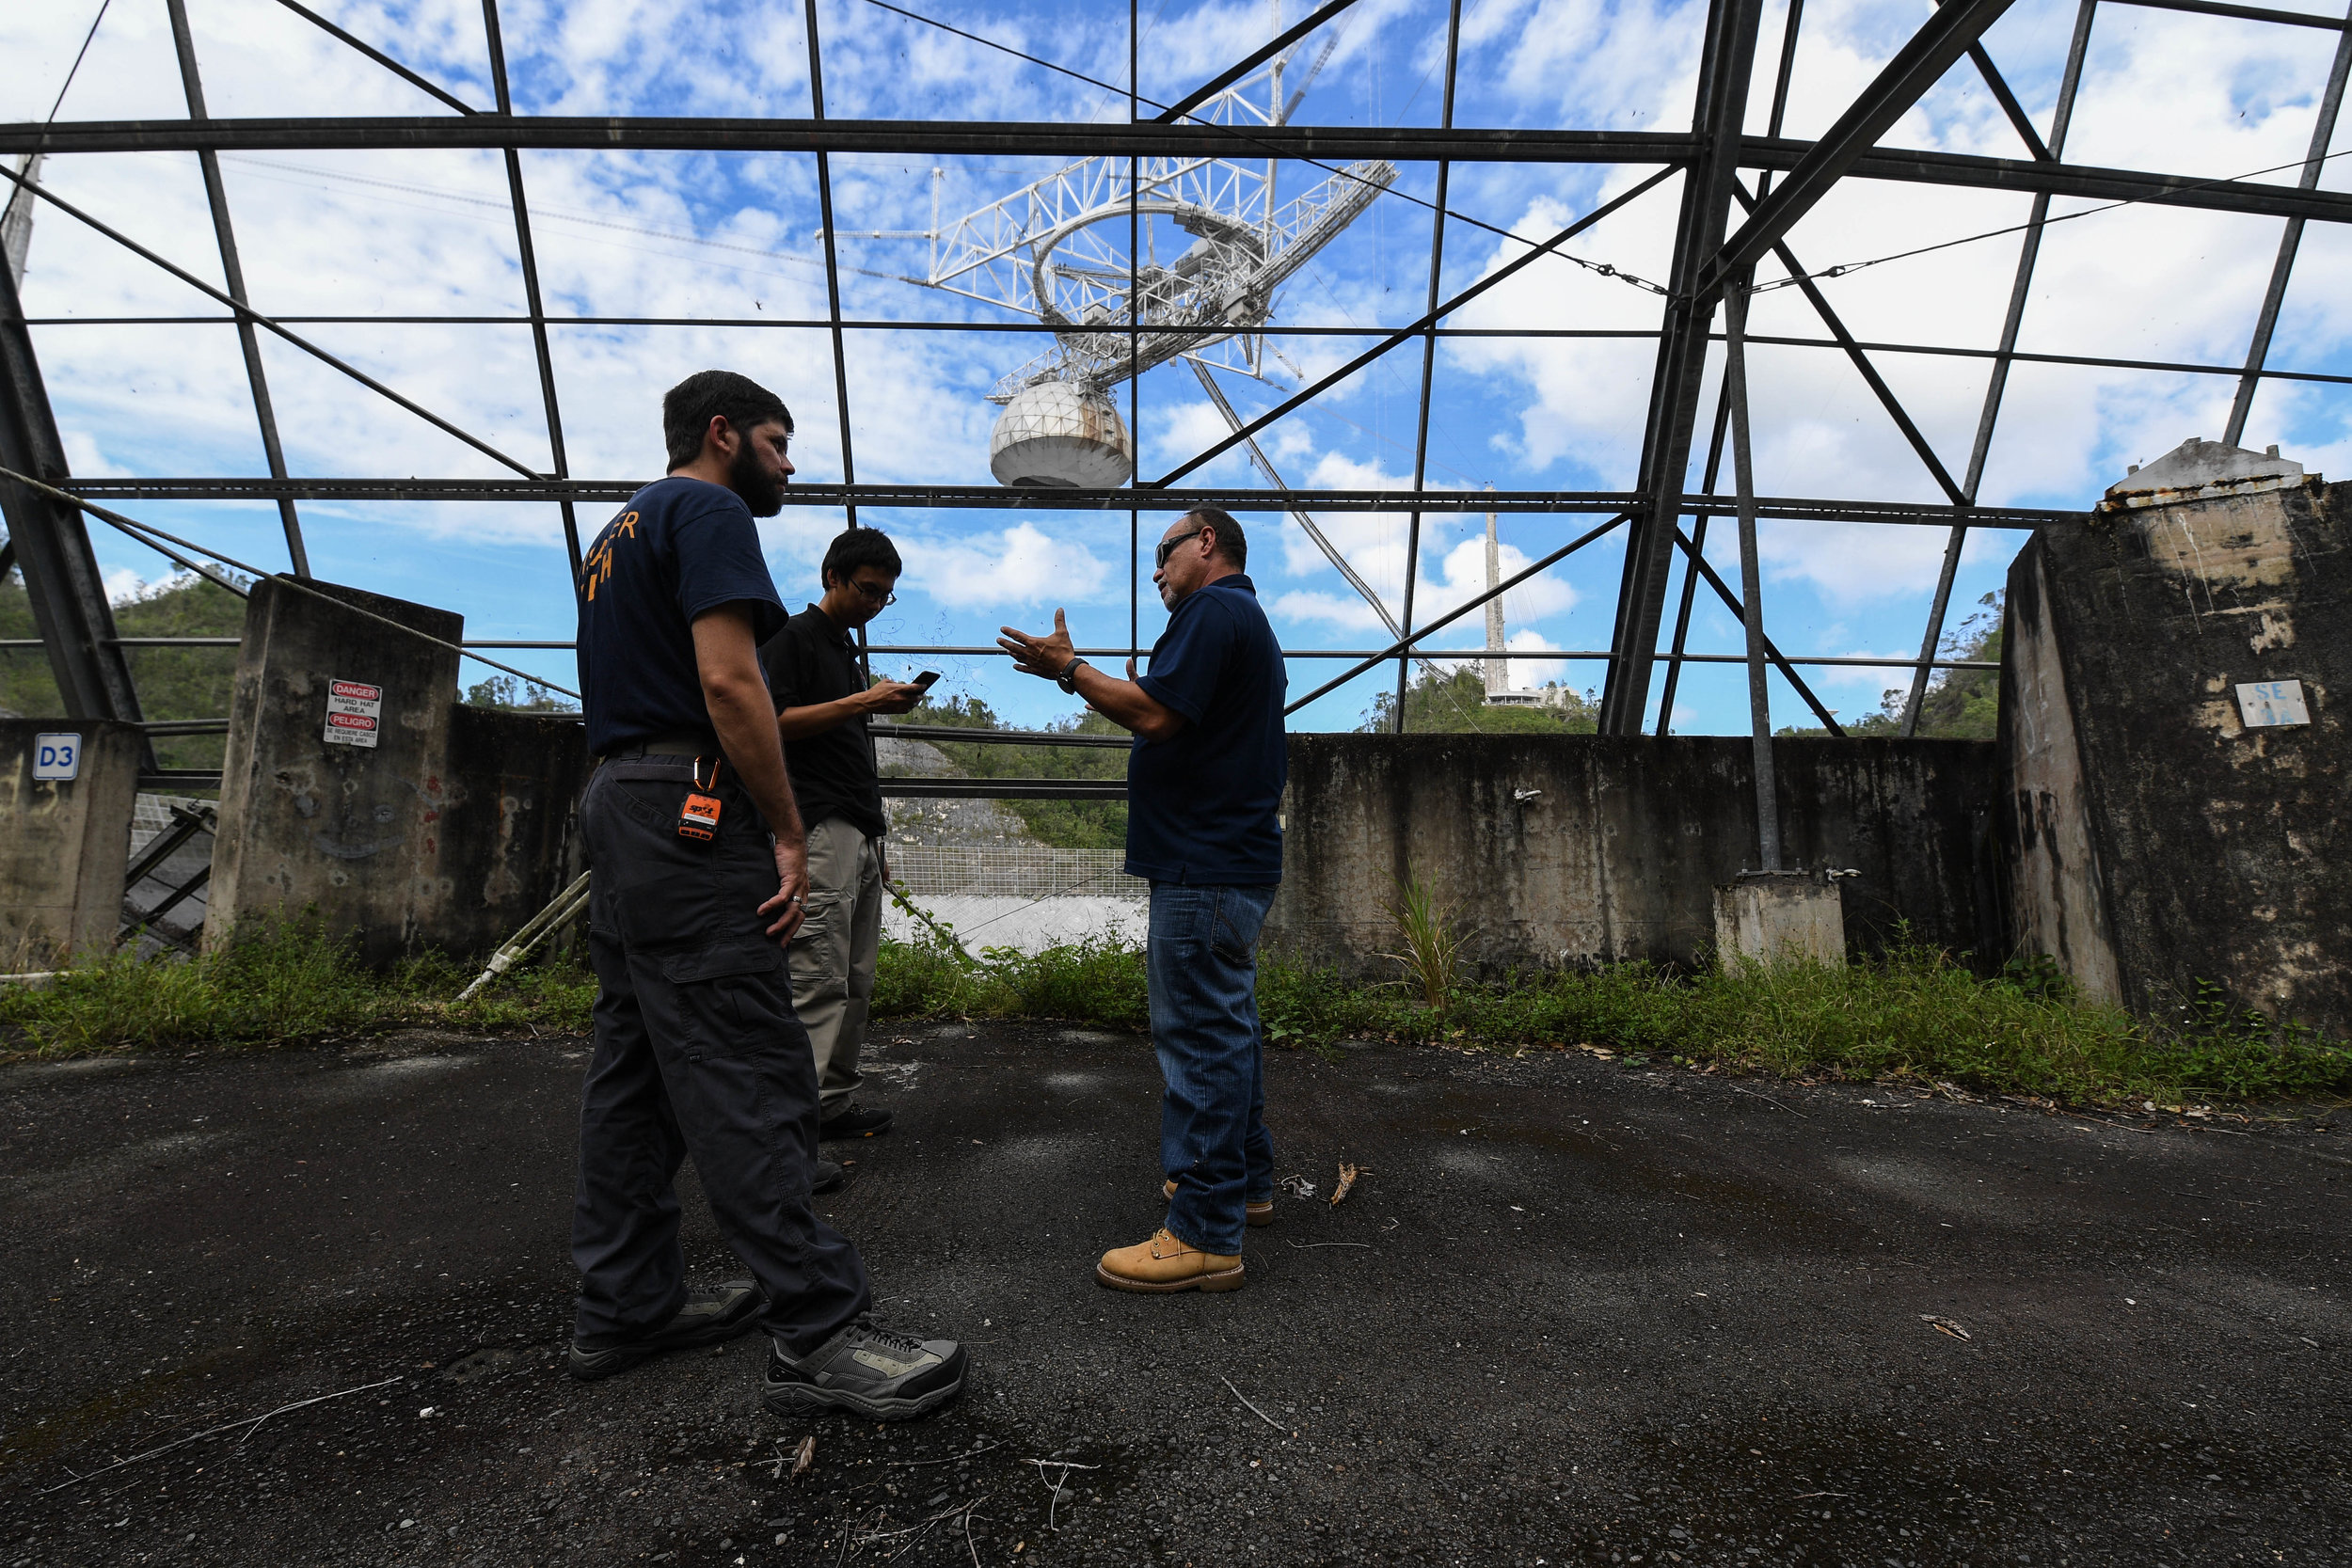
(1347, 1180)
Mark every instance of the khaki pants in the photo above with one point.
(831, 956)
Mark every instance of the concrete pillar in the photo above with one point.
(66, 788)
(1766, 918)
(2173, 763)
(355, 786)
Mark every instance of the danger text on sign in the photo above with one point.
(355, 712)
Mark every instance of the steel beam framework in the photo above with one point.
(1738, 194)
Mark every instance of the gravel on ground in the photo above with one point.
(1573, 1311)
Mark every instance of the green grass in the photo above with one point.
(1914, 1017)
(1917, 1016)
(283, 987)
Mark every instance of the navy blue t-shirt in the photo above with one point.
(679, 547)
(1200, 804)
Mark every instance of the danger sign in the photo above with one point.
(355, 711)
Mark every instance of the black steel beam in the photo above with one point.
(1905, 79)
(378, 56)
(995, 499)
(233, 274)
(1328, 144)
(1249, 62)
(527, 256)
(1727, 61)
(53, 548)
(2244, 13)
(2027, 176)
(1860, 362)
(983, 138)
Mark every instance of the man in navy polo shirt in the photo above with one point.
(1204, 783)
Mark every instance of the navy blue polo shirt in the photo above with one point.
(1201, 804)
(679, 547)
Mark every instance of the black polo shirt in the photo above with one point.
(812, 662)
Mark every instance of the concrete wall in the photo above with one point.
(2157, 840)
(64, 846)
(1617, 854)
(450, 832)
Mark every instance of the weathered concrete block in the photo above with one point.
(64, 844)
(2154, 840)
(449, 831)
(1582, 849)
(1766, 918)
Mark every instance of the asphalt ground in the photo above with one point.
(1573, 1311)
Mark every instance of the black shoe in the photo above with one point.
(854, 1121)
(830, 1177)
(709, 1318)
(869, 1371)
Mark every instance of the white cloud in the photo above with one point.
(1019, 566)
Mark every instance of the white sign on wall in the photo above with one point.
(2265, 705)
(355, 712)
(58, 757)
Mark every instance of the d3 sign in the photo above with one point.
(58, 757)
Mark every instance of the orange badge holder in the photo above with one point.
(699, 816)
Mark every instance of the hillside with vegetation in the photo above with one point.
(173, 683)
(1065, 824)
(1960, 704)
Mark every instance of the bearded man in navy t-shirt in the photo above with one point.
(700, 876)
(1204, 781)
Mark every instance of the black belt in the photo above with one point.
(626, 765)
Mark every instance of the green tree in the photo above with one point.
(1454, 702)
(509, 695)
(1960, 704)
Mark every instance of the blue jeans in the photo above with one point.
(1203, 963)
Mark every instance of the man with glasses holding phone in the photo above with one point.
(823, 702)
(1204, 781)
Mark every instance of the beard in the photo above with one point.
(760, 490)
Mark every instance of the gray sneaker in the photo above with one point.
(867, 1370)
(708, 1317)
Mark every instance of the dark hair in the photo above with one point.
(859, 547)
(687, 410)
(1232, 543)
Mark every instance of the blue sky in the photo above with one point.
(719, 236)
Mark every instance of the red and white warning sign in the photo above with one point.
(355, 711)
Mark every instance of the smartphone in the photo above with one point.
(925, 678)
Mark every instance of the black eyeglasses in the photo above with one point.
(881, 597)
(1168, 547)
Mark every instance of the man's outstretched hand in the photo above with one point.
(1044, 656)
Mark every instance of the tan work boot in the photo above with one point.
(1256, 1213)
(1164, 1263)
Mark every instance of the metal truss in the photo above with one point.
(1040, 259)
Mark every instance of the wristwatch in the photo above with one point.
(1068, 679)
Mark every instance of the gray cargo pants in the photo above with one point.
(697, 1053)
(833, 954)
